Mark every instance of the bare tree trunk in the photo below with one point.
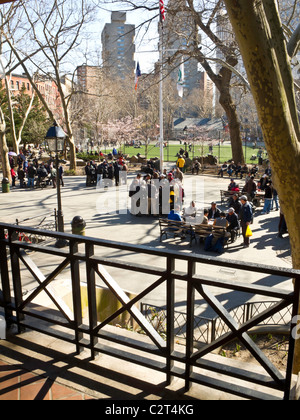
(259, 33)
(11, 117)
(4, 148)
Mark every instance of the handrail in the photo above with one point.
(144, 249)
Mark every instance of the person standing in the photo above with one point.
(31, 175)
(246, 215)
(53, 176)
(181, 163)
(275, 200)
(99, 174)
(88, 174)
(268, 198)
(21, 177)
(179, 175)
(117, 173)
(13, 177)
(61, 175)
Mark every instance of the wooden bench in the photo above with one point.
(203, 231)
(182, 230)
(174, 229)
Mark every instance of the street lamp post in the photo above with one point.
(55, 139)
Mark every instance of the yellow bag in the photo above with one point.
(248, 232)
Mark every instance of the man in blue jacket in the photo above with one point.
(245, 216)
(174, 215)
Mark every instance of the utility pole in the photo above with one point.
(161, 107)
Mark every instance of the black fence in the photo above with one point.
(91, 260)
(207, 330)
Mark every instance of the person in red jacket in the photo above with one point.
(13, 177)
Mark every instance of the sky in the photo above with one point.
(146, 44)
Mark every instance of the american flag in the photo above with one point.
(162, 11)
(138, 74)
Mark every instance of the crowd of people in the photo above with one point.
(240, 206)
(96, 174)
(156, 193)
(26, 168)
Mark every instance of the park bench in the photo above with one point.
(175, 229)
(203, 231)
(182, 230)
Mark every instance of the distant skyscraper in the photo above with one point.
(118, 47)
(179, 32)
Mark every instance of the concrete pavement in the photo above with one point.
(120, 225)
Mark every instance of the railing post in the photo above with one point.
(190, 302)
(91, 291)
(292, 341)
(5, 278)
(16, 278)
(76, 293)
(170, 317)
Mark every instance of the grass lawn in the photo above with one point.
(224, 153)
(171, 151)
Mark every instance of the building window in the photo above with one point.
(18, 85)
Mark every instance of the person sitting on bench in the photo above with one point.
(175, 215)
(233, 223)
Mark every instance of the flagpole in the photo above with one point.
(161, 108)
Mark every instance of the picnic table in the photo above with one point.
(258, 198)
(183, 229)
(225, 195)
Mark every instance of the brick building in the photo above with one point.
(46, 86)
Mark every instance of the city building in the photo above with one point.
(118, 47)
(179, 33)
(18, 82)
(46, 86)
(88, 78)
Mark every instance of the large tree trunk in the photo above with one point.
(234, 125)
(222, 82)
(72, 154)
(258, 30)
(4, 148)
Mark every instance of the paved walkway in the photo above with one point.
(17, 384)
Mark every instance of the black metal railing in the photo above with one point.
(90, 259)
(208, 329)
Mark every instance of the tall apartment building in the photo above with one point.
(179, 32)
(118, 47)
(88, 78)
